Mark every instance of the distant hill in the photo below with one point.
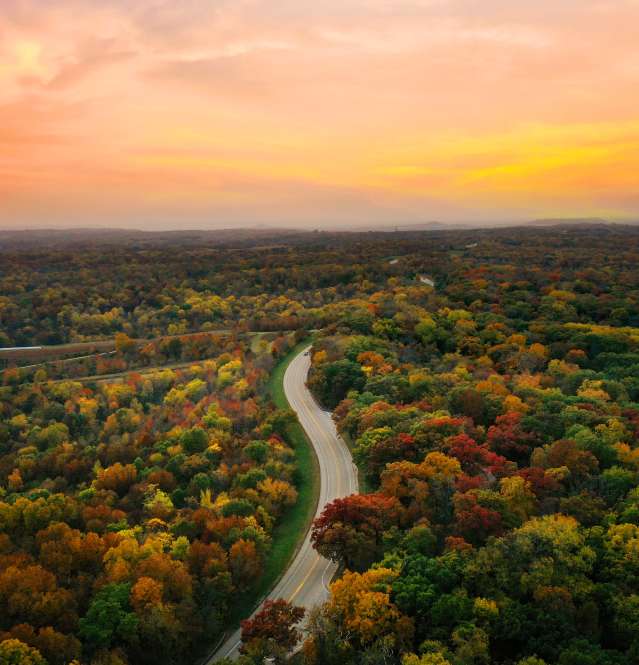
(569, 221)
(49, 238)
(265, 236)
(409, 227)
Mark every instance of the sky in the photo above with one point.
(215, 113)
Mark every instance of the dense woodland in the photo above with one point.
(133, 511)
(496, 425)
(494, 419)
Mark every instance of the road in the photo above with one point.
(104, 347)
(305, 583)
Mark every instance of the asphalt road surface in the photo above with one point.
(305, 583)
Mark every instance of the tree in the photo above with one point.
(473, 457)
(117, 478)
(475, 521)
(334, 380)
(273, 628)
(381, 446)
(57, 648)
(519, 497)
(431, 432)
(471, 645)
(471, 403)
(31, 594)
(15, 652)
(621, 554)
(109, 619)
(245, 563)
(425, 659)
(566, 453)
(146, 594)
(543, 573)
(423, 583)
(361, 605)
(124, 344)
(195, 440)
(424, 489)
(350, 530)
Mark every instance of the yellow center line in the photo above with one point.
(303, 582)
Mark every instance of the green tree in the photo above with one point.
(337, 379)
(110, 618)
(194, 440)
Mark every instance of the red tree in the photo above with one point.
(350, 530)
(474, 458)
(507, 437)
(275, 622)
(474, 521)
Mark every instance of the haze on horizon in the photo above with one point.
(157, 114)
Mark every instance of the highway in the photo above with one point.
(305, 582)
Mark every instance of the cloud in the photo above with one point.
(338, 108)
(86, 62)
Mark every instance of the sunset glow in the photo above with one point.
(157, 114)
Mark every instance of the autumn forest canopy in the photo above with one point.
(486, 382)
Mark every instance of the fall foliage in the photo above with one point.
(494, 419)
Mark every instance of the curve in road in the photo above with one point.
(305, 583)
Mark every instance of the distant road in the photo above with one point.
(305, 583)
(107, 346)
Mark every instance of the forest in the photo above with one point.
(486, 381)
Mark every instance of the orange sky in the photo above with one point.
(157, 113)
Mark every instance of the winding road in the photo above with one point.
(305, 583)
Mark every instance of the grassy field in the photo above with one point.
(289, 534)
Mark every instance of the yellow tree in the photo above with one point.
(361, 604)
